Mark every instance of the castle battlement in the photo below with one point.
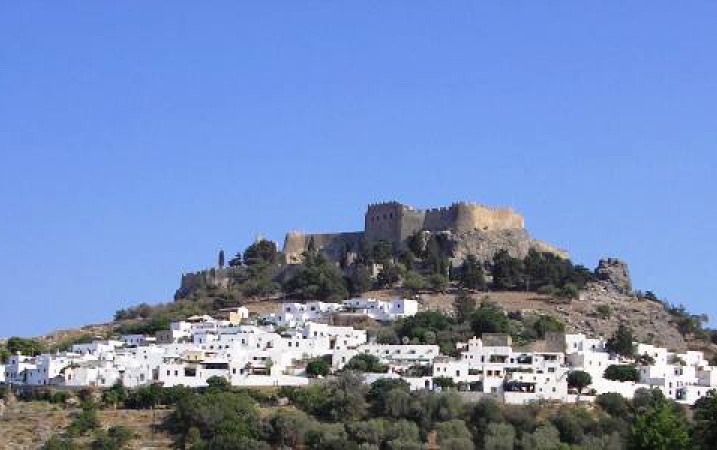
(395, 222)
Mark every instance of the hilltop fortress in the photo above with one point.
(470, 228)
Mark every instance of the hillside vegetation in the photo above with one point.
(342, 413)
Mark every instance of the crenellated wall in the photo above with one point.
(395, 222)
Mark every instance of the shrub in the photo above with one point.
(489, 318)
(604, 311)
(621, 343)
(622, 373)
(57, 443)
(364, 362)
(318, 367)
(85, 421)
(614, 404)
(444, 382)
(116, 438)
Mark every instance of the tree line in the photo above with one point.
(343, 413)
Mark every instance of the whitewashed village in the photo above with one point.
(274, 350)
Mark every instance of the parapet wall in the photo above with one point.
(395, 222)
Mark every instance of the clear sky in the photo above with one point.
(139, 138)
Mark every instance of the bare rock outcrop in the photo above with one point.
(484, 244)
(614, 274)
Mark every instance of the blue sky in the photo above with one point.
(139, 138)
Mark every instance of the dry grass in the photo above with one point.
(27, 425)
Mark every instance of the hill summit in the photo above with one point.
(464, 229)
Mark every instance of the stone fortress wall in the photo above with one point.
(333, 244)
(395, 222)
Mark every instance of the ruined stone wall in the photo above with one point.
(333, 245)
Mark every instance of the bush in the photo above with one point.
(499, 436)
(57, 443)
(116, 438)
(614, 404)
(604, 311)
(364, 362)
(85, 421)
(438, 282)
(316, 279)
(489, 318)
(621, 343)
(318, 367)
(444, 382)
(546, 324)
(219, 416)
(622, 373)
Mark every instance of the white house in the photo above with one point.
(382, 310)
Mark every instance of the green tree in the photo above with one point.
(705, 422)
(438, 282)
(220, 261)
(364, 362)
(507, 271)
(378, 393)
(444, 382)
(220, 416)
(546, 324)
(328, 436)
(287, 428)
(346, 397)
(463, 305)
(413, 282)
(114, 396)
(614, 404)
(417, 325)
(359, 280)
(262, 251)
(116, 438)
(318, 367)
(218, 384)
(659, 428)
(390, 274)
(4, 354)
(417, 243)
(471, 274)
(236, 261)
(545, 437)
(499, 436)
(316, 279)
(489, 318)
(29, 347)
(382, 252)
(579, 380)
(621, 343)
(85, 421)
(454, 435)
(619, 372)
(368, 433)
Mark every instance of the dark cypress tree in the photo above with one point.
(221, 259)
